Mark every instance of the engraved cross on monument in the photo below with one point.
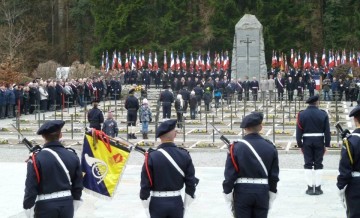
(247, 42)
(248, 57)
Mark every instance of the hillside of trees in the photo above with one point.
(65, 31)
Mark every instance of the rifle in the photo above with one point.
(222, 137)
(342, 132)
(26, 142)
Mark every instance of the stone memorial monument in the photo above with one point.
(248, 58)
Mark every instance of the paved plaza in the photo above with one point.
(291, 200)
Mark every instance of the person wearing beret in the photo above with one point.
(132, 106)
(165, 172)
(313, 137)
(251, 171)
(53, 185)
(95, 116)
(167, 98)
(348, 180)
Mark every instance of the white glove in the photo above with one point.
(342, 197)
(146, 204)
(272, 197)
(188, 200)
(77, 204)
(30, 212)
(229, 198)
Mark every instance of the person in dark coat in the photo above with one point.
(251, 171)
(254, 88)
(349, 168)
(110, 126)
(300, 86)
(311, 87)
(313, 137)
(10, 101)
(132, 106)
(167, 98)
(198, 93)
(52, 96)
(165, 178)
(246, 85)
(60, 98)
(53, 185)
(280, 86)
(26, 100)
(186, 97)
(207, 96)
(290, 87)
(2, 102)
(19, 98)
(193, 105)
(95, 116)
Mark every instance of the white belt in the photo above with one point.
(312, 134)
(54, 195)
(252, 181)
(254, 87)
(355, 174)
(166, 193)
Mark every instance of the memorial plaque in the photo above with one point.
(248, 52)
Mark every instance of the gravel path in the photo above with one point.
(213, 158)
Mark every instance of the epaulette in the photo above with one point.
(267, 140)
(71, 149)
(301, 111)
(184, 149)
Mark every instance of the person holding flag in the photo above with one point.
(164, 173)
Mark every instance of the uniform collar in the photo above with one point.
(252, 136)
(53, 144)
(166, 144)
(357, 130)
(312, 107)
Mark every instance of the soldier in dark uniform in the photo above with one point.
(198, 93)
(164, 173)
(167, 98)
(157, 79)
(348, 180)
(95, 116)
(254, 88)
(246, 85)
(53, 185)
(251, 171)
(313, 136)
(132, 106)
(311, 86)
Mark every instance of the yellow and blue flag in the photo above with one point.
(102, 161)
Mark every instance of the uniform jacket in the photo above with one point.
(249, 166)
(132, 104)
(164, 175)
(52, 175)
(313, 120)
(166, 97)
(95, 117)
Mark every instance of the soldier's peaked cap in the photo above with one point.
(50, 127)
(312, 99)
(355, 112)
(165, 127)
(253, 119)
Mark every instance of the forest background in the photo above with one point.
(67, 31)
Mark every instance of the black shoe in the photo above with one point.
(129, 136)
(310, 191)
(133, 136)
(318, 190)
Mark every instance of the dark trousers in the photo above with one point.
(57, 208)
(166, 111)
(192, 113)
(280, 95)
(251, 205)
(247, 95)
(313, 156)
(131, 118)
(352, 196)
(239, 96)
(179, 116)
(169, 207)
(43, 105)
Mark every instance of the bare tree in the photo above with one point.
(13, 32)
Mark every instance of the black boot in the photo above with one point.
(310, 191)
(146, 136)
(318, 190)
(133, 136)
(129, 136)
